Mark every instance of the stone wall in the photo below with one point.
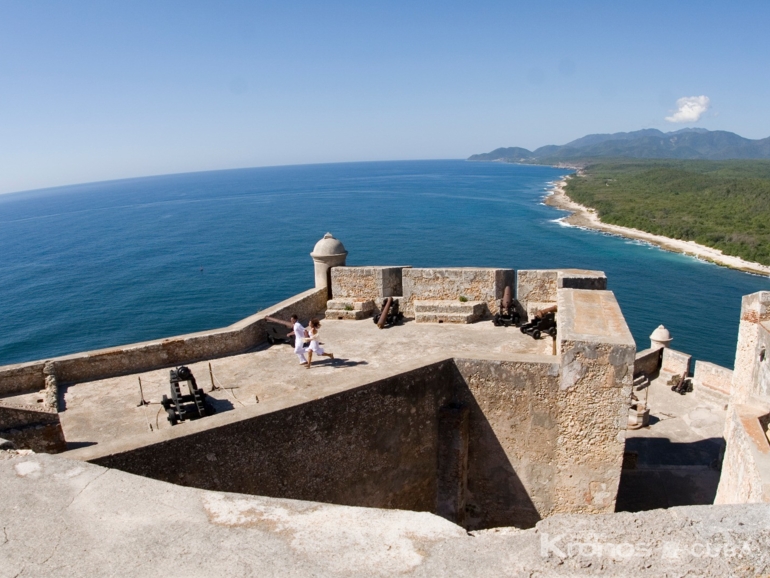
(373, 283)
(149, 355)
(648, 361)
(537, 288)
(746, 465)
(675, 362)
(597, 364)
(751, 376)
(375, 446)
(34, 428)
(514, 434)
(474, 284)
(476, 441)
(713, 377)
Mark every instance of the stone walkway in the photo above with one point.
(678, 455)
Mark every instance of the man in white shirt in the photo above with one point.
(299, 339)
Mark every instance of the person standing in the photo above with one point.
(299, 340)
(315, 345)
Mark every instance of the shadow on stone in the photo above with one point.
(669, 474)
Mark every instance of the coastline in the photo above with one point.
(585, 217)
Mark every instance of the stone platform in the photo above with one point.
(70, 518)
(99, 411)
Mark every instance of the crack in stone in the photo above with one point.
(56, 547)
(83, 489)
(5, 536)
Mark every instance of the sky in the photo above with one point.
(103, 90)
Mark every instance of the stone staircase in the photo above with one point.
(448, 311)
(349, 308)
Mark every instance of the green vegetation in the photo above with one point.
(721, 204)
(463, 299)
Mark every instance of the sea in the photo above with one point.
(103, 264)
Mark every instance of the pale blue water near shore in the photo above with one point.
(96, 265)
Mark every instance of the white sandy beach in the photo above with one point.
(583, 216)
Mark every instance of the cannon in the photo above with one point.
(544, 321)
(179, 407)
(508, 314)
(680, 384)
(389, 314)
(275, 332)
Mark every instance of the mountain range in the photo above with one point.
(688, 143)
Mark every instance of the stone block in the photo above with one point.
(597, 363)
(438, 311)
(582, 279)
(367, 282)
(536, 286)
(675, 362)
(34, 428)
(475, 284)
(353, 309)
(712, 378)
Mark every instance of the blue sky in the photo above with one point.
(101, 90)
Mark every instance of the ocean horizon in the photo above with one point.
(110, 263)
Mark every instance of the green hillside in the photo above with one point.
(721, 204)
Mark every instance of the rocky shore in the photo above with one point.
(587, 218)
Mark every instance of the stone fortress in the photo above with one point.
(444, 445)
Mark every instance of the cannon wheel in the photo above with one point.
(552, 332)
(172, 419)
(536, 334)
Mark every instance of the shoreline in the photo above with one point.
(587, 218)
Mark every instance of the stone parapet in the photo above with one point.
(537, 288)
(713, 378)
(597, 352)
(474, 284)
(374, 283)
(137, 357)
(675, 362)
(746, 466)
(648, 361)
(32, 427)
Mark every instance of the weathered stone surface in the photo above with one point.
(712, 377)
(675, 362)
(597, 364)
(648, 361)
(538, 286)
(513, 428)
(450, 284)
(581, 279)
(137, 357)
(349, 308)
(373, 283)
(105, 522)
(752, 375)
(437, 311)
(746, 465)
(36, 428)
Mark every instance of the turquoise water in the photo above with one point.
(102, 264)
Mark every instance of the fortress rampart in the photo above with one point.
(444, 414)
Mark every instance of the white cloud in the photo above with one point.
(690, 109)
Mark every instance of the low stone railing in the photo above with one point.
(149, 355)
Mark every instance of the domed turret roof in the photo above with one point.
(660, 334)
(328, 247)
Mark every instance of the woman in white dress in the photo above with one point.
(314, 346)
